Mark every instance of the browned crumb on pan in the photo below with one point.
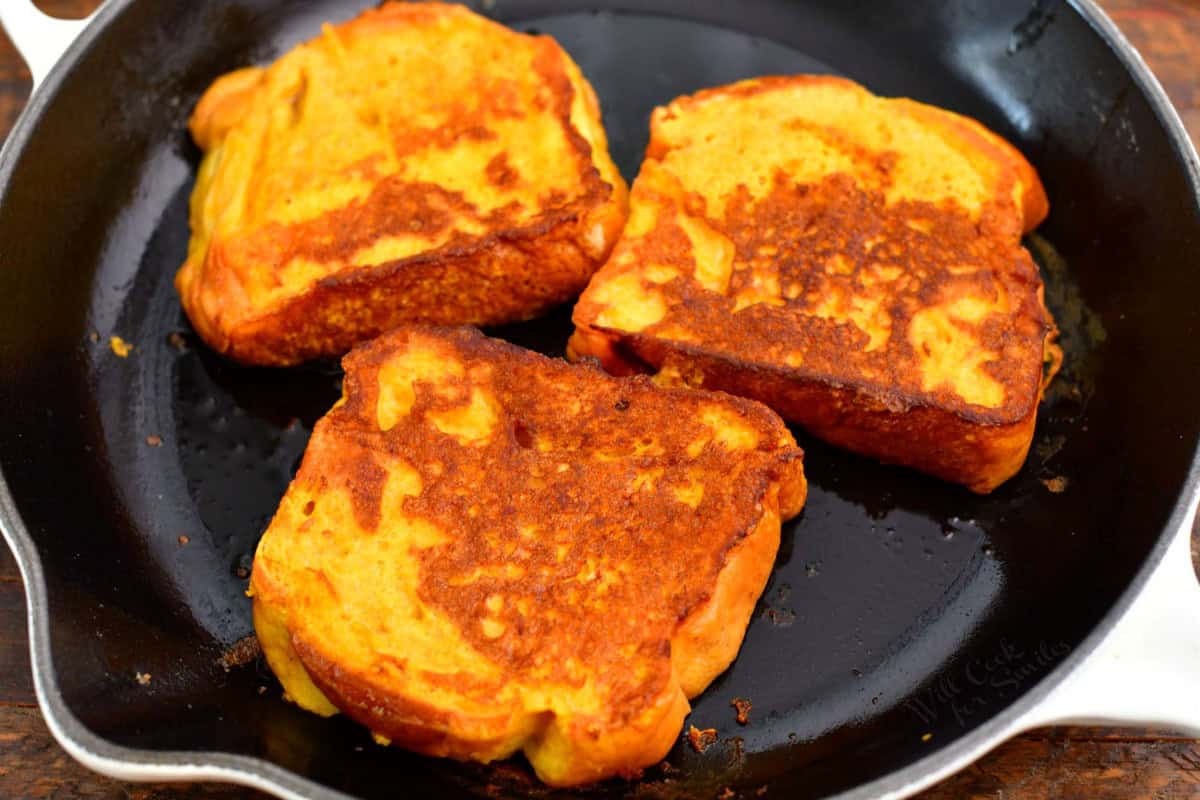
(781, 617)
(1057, 485)
(120, 347)
(701, 740)
(184, 539)
(176, 340)
(240, 653)
(154, 440)
(742, 706)
(143, 678)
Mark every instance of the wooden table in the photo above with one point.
(1091, 763)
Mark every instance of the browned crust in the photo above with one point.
(406, 720)
(512, 272)
(711, 634)
(872, 401)
(485, 281)
(977, 452)
(831, 351)
(672, 621)
(624, 353)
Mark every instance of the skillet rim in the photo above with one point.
(135, 764)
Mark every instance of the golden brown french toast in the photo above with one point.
(852, 261)
(486, 551)
(418, 163)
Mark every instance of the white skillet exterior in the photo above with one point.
(1141, 666)
(40, 39)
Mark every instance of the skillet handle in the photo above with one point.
(1147, 671)
(40, 39)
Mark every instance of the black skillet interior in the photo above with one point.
(902, 613)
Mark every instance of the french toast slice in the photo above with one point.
(852, 261)
(488, 551)
(417, 163)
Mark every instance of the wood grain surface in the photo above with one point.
(1054, 763)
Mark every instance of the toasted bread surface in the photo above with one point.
(418, 163)
(850, 260)
(487, 551)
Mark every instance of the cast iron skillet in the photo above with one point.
(908, 625)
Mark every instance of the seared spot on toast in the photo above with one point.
(500, 172)
(820, 295)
